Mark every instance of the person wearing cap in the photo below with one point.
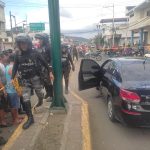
(67, 62)
(45, 50)
(27, 64)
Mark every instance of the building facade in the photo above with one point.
(139, 23)
(4, 41)
(121, 32)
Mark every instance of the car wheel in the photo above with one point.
(110, 110)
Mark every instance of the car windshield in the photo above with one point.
(136, 70)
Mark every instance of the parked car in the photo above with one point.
(125, 86)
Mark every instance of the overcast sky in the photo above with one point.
(75, 14)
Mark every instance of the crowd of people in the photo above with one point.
(25, 70)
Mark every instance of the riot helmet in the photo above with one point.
(43, 37)
(64, 48)
(23, 42)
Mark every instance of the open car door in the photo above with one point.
(89, 74)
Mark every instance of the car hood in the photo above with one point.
(136, 85)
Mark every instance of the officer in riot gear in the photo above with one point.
(67, 62)
(45, 50)
(27, 66)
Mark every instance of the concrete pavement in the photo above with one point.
(71, 131)
(106, 135)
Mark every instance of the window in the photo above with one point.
(148, 13)
(106, 65)
(6, 40)
(131, 15)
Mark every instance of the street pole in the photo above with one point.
(113, 27)
(11, 26)
(54, 18)
(15, 23)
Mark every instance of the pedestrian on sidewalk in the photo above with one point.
(75, 53)
(66, 66)
(12, 96)
(45, 50)
(28, 65)
(3, 100)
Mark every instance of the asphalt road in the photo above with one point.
(106, 135)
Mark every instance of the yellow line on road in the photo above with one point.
(84, 123)
(15, 134)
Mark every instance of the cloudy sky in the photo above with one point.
(75, 14)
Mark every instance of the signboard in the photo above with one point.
(37, 26)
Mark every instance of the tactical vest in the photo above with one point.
(45, 53)
(65, 60)
(27, 65)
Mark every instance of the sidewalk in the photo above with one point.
(54, 130)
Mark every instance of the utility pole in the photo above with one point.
(113, 24)
(98, 27)
(11, 27)
(15, 22)
(54, 18)
(113, 28)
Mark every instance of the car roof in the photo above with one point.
(122, 60)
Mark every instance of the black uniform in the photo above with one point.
(66, 60)
(45, 51)
(75, 53)
(28, 64)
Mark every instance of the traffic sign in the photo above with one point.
(37, 26)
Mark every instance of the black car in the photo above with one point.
(125, 85)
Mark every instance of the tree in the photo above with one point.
(99, 41)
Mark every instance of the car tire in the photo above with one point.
(110, 110)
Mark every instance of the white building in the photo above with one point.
(139, 23)
(4, 41)
(121, 32)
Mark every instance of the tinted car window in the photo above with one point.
(114, 71)
(89, 65)
(106, 66)
(91, 69)
(136, 70)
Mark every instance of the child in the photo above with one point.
(12, 95)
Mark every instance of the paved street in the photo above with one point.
(106, 135)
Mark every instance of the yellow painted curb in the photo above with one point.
(16, 134)
(84, 123)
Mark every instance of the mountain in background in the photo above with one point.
(87, 32)
(78, 39)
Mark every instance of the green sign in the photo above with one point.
(37, 26)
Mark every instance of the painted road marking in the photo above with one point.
(16, 133)
(84, 123)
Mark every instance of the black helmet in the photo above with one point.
(24, 39)
(44, 37)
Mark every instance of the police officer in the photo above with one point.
(44, 49)
(27, 65)
(75, 53)
(66, 61)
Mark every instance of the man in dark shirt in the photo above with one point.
(28, 64)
